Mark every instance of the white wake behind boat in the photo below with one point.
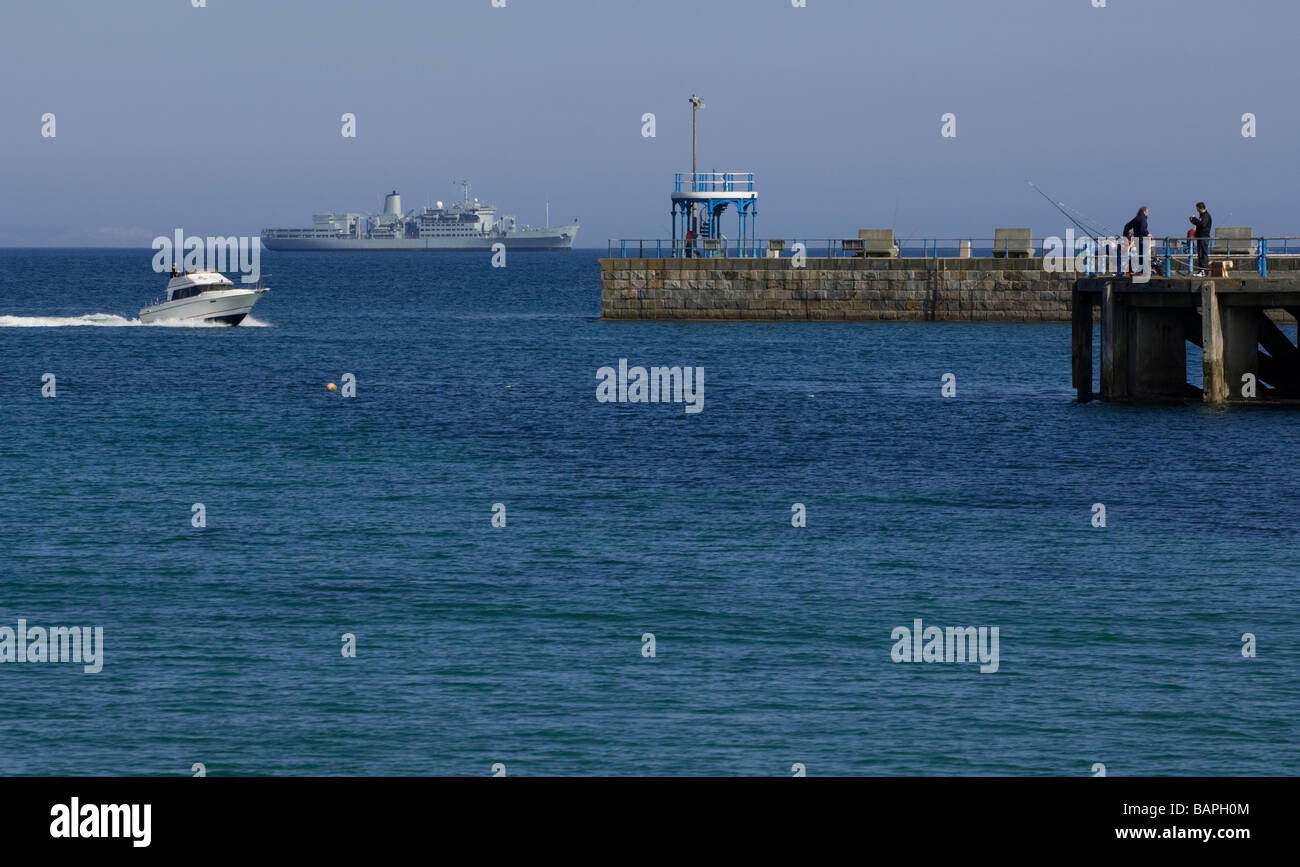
(202, 296)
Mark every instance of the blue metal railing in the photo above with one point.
(1178, 256)
(714, 182)
(1174, 256)
(815, 248)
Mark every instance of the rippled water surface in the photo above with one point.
(523, 644)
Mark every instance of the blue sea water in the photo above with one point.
(523, 645)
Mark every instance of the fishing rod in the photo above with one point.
(1091, 231)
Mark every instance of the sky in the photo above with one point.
(225, 119)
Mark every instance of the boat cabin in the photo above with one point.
(194, 283)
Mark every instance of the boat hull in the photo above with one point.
(225, 307)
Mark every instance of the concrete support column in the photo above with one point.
(1240, 347)
(1114, 344)
(1081, 344)
(1158, 354)
(1215, 384)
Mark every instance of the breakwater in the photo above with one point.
(919, 289)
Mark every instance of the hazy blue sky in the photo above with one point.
(225, 119)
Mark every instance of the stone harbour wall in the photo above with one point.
(983, 290)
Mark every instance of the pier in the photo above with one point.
(1146, 326)
(930, 281)
(700, 273)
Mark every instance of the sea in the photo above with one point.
(467, 564)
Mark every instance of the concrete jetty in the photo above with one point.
(1146, 326)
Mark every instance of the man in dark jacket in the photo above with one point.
(1203, 223)
(1136, 229)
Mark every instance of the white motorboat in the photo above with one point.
(202, 296)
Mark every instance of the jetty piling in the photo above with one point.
(1145, 328)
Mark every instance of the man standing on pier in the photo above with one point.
(1136, 229)
(1203, 223)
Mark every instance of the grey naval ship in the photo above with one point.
(466, 225)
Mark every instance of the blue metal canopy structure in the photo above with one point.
(699, 201)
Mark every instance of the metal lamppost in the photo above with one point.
(696, 105)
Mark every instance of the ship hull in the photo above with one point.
(556, 239)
